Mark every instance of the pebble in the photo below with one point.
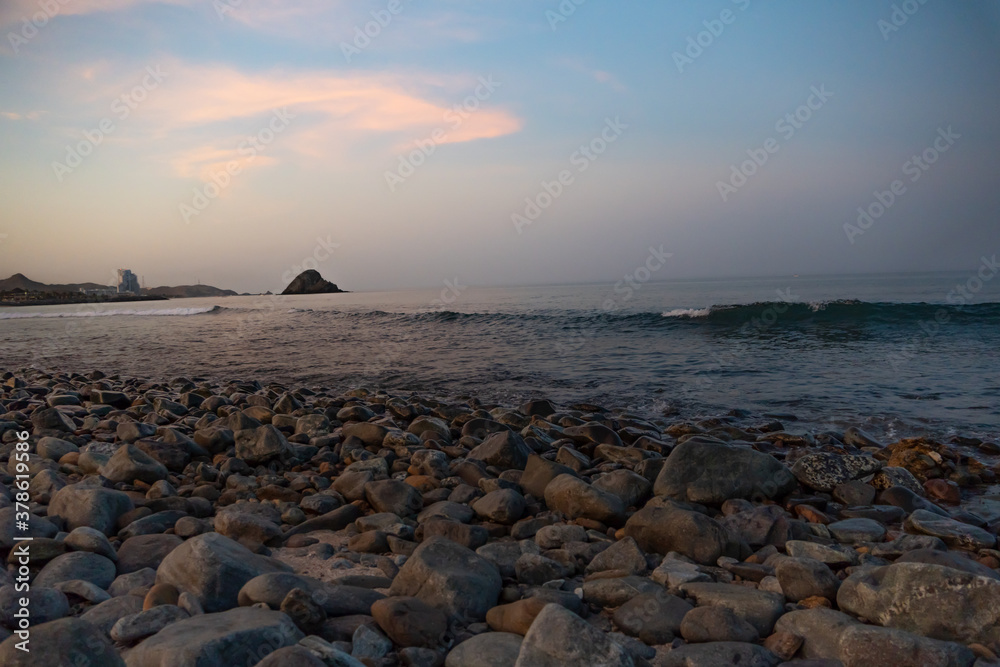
(854, 531)
(951, 532)
(716, 624)
(309, 526)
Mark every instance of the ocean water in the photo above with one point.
(896, 354)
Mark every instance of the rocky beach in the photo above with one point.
(188, 522)
(499, 334)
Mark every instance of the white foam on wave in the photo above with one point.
(688, 312)
(109, 313)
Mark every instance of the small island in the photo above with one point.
(311, 282)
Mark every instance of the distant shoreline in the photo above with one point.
(91, 299)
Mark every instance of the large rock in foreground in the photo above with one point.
(410, 621)
(91, 506)
(930, 600)
(260, 445)
(719, 653)
(490, 649)
(84, 565)
(130, 463)
(758, 608)
(559, 637)
(705, 471)
(820, 629)
(68, 641)
(311, 282)
(823, 471)
(213, 568)
(953, 533)
(336, 599)
(235, 637)
(505, 450)
(859, 643)
(450, 577)
(575, 498)
(666, 529)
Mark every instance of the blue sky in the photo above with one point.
(247, 145)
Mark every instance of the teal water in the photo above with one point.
(896, 354)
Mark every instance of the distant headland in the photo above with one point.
(19, 290)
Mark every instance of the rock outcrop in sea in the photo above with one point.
(188, 522)
(311, 282)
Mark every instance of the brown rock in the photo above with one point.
(304, 611)
(515, 617)
(279, 493)
(370, 542)
(815, 601)
(922, 457)
(990, 561)
(943, 490)
(299, 541)
(983, 652)
(422, 483)
(160, 594)
(409, 621)
(812, 515)
(538, 472)
(666, 529)
(783, 644)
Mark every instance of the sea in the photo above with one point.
(897, 355)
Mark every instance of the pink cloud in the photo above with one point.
(196, 107)
(15, 11)
(30, 115)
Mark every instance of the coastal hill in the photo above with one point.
(189, 291)
(311, 282)
(19, 281)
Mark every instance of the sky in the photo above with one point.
(398, 143)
